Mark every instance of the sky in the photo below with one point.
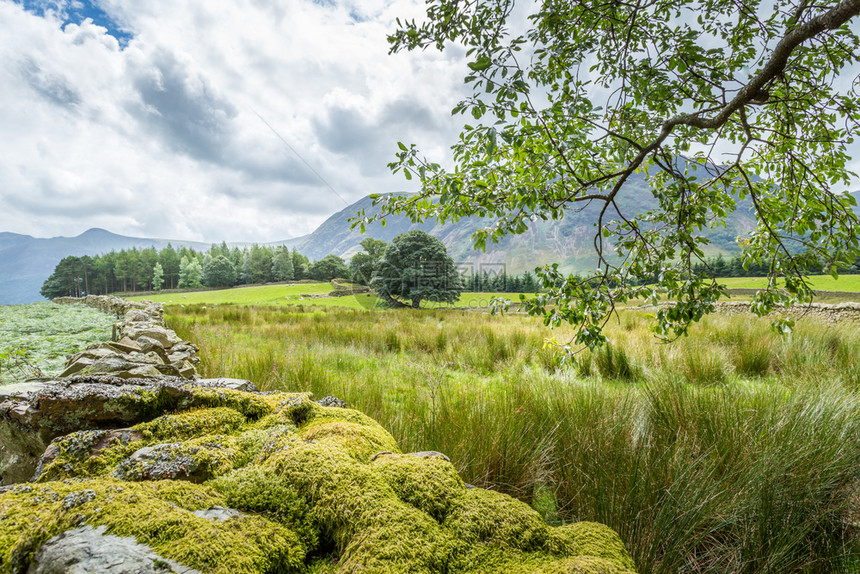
(240, 120)
(247, 120)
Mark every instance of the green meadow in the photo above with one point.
(297, 294)
(732, 450)
(845, 283)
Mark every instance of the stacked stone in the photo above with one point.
(830, 313)
(146, 347)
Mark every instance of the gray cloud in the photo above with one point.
(370, 139)
(51, 86)
(184, 108)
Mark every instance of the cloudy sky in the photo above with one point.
(150, 118)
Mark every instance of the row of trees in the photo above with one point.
(734, 267)
(220, 266)
(416, 262)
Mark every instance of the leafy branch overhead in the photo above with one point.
(715, 102)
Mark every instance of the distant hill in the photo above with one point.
(26, 262)
(568, 241)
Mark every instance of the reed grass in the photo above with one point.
(733, 450)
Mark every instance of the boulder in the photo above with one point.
(33, 414)
(86, 550)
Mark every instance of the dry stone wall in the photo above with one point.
(845, 313)
(831, 313)
(142, 345)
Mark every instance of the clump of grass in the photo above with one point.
(614, 363)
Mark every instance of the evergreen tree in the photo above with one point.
(190, 273)
(169, 260)
(300, 265)
(157, 276)
(282, 264)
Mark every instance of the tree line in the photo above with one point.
(221, 266)
(720, 266)
(185, 268)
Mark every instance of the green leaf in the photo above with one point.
(482, 63)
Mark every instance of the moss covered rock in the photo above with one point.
(236, 481)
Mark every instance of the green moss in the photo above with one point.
(314, 500)
(87, 454)
(251, 405)
(262, 491)
(156, 515)
(430, 484)
(192, 423)
(590, 539)
(358, 441)
(483, 516)
(195, 460)
(355, 509)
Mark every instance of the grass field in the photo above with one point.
(296, 294)
(846, 283)
(734, 450)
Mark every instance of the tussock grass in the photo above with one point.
(733, 450)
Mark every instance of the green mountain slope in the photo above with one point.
(568, 241)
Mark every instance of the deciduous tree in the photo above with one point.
(714, 102)
(416, 268)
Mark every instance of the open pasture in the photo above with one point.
(296, 294)
(732, 450)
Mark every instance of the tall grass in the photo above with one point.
(731, 451)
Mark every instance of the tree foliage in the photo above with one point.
(282, 264)
(218, 271)
(713, 101)
(328, 268)
(363, 265)
(416, 268)
(190, 273)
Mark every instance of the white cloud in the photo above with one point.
(161, 137)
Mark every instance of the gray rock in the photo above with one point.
(32, 416)
(126, 345)
(89, 550)
(163, 335)
(218, 513)
(224, 383)
(169, 461)
(332, 402)
(79, 365)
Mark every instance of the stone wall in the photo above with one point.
(141, 345)
(829, 313)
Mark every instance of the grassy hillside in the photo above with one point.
(733, 450)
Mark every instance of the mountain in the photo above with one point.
(568, 241)
(26, 262)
